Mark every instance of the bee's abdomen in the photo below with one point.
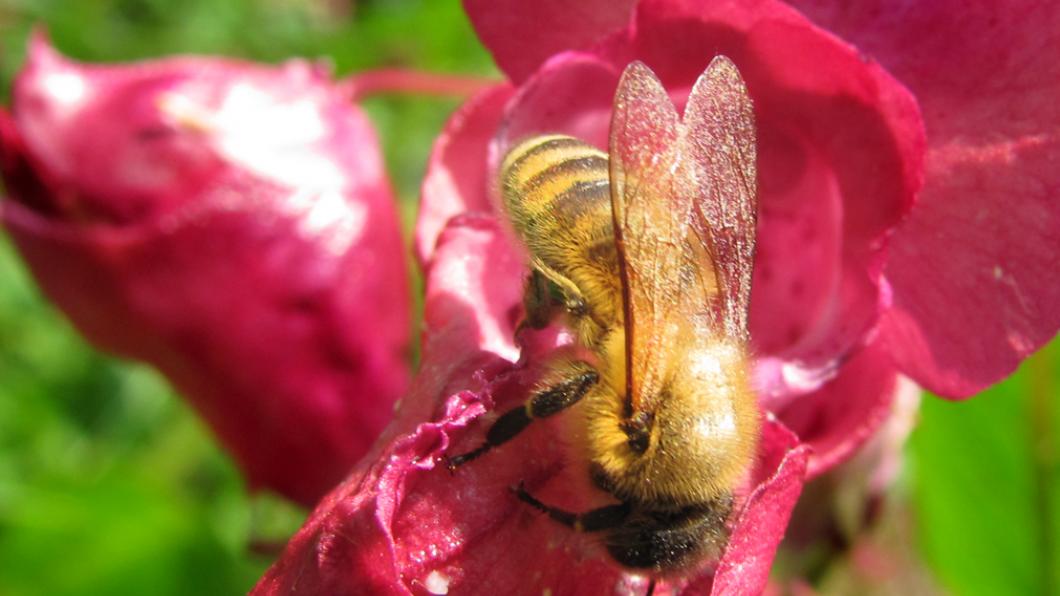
(666, 539)
(556, 191)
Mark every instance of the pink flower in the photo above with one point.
(851, 189)
(401, 523)
(853, 285)
(230, 224)
(976, 254)
(840, 157)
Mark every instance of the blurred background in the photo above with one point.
(110, 485)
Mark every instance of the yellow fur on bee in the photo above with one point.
(704, 428)
(704, 431)
(556, 192)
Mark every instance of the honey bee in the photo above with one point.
(647, 251)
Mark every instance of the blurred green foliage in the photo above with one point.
(987, 484)
(110, 485)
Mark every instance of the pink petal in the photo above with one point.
(259, 267)
(744, 568)
(521, 34)
(830, 196)
(840, 152)
(457, 180)
(571, 94)
(479, 292)
(401, 523)
(973, 271)
(839, 143)
(841, 416)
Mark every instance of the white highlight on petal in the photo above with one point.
(779, 380)
(185, 112)
(275, 138)
(328, 216)
(437, 583)
(66, 90)
(281, 140)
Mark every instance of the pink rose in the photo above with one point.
(230, 224)
(851, 190)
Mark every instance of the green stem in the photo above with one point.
(406, 81)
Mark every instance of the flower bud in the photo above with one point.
(230, 224)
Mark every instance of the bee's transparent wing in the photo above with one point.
(651, 205)
(720, 141)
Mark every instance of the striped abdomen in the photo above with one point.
(556, 191)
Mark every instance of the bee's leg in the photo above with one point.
(541, 404)
(563, 291)
(570, 297)
(594, 520)
(538, 301)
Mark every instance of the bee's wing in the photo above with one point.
(651, 204)
(720, 141)
(684, 207)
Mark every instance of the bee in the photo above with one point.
(647, 251)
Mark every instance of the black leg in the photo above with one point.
(603, 518)
(542, 404)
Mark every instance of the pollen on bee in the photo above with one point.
(718, 423)
(709, 363)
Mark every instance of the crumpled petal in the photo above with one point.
(403, 524)
(521, 35)
(230, 224)
(978, 256)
